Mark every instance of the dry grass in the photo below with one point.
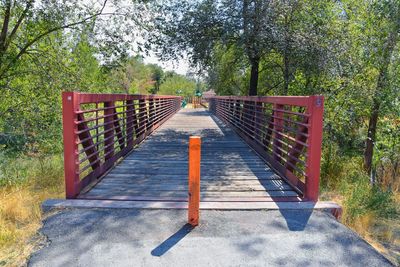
(382, 234)
(20, 213)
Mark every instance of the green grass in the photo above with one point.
(370, 210)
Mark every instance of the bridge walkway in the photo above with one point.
(157, 170)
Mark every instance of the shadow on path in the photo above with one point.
(172, 240)
(296, 221)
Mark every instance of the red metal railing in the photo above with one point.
(99, 129)
(285, 131)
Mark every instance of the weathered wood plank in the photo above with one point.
(204, 199)
(184, 187)
(129, 177)
(160, 181)
(157, 169)
(106, 194)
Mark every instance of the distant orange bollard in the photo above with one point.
(194, 180)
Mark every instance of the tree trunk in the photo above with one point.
(381, 84)
(370, 142)
(255, 62)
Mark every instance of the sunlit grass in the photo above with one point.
(371, 211)
(20, 200)
(27, 181)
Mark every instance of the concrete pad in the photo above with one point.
(146, 237)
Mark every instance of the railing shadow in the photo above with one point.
(225, 162)
(197, 112)
(295, 221)
(172, 240)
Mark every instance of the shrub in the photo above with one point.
(361, 198)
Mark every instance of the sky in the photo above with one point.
(179, 66)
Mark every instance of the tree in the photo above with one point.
(176, 84)
(157, 76)
(132, 76)
(24, 23)
(196, 27)
(50, 46)
(386, 14)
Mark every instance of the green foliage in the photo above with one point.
(332, 163)
(131, 76)
(176, 84)
(361, 198)
(42, 172)
(347, 50)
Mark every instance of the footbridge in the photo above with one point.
(132, 151)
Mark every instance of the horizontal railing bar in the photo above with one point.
(272, 123)
(281, 157)
(277, 132)
(113, 121)
(142, 127)
(274, 116)
(105, 155)
(114, 107)
(287, 145)
(119, 106)
(303, 101)
(85, 98)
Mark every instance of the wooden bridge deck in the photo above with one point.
(158, 169)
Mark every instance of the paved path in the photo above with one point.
(157, 169)
(134, 237)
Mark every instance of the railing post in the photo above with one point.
(157, 107)
(211, 105)
(178, 104)
(108, 130)
(70, 105)
(118, 129)
(88, 143)
(237, 115)
(248, 118)
(231, 107)
(259, 119)
(316, 110)
(277, 135)
(194, 180)
(151, 117)
(130, 116)
(142, 115)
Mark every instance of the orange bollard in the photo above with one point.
(194, 180)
